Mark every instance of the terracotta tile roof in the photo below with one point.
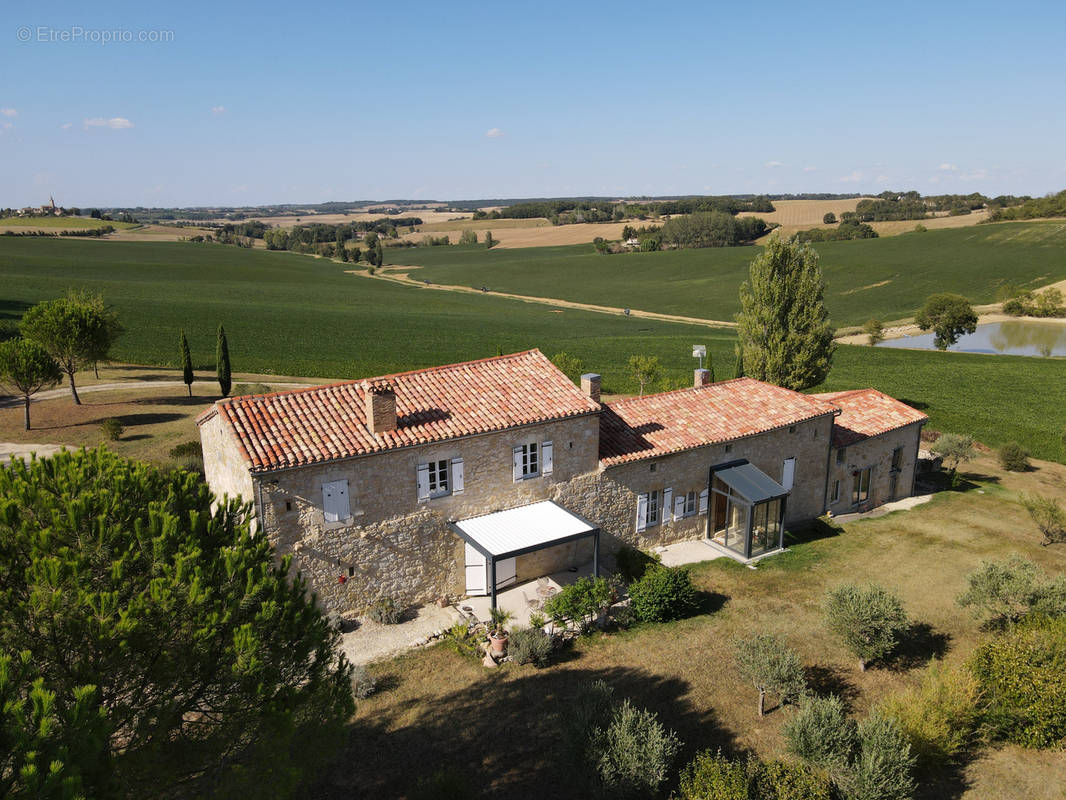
(322, 423)
(867, 412)
(647, 427)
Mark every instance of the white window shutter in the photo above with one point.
(788, 473)
(344, 509)
(329, 502)
(546, 458)
(458, 476)
(679, 506)
(517, 463)
(668, 503)
(423, 481)
(642, 512)
(703, 501)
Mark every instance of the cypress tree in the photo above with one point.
(186, 363)
(738, 370)
(222, 362)
(710, 366)
(784, 328)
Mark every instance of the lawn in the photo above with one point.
(498, 730)
(888, 278)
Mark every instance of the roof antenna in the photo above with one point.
(699, 351)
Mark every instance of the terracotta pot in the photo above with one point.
(498, 643)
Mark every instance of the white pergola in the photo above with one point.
(526, 529)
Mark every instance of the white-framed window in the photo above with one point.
(649, 509)
(690, 503)
(440, 478)
(335, 507)
(532, 460)
(685, 504)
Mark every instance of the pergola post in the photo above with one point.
(596, 554)
(492, 582)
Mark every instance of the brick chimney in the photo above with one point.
(590, 385)
(380, 407)
(702, 377)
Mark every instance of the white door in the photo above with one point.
(788, 473)
(477, 572)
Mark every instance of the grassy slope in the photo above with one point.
(887, 278)
(60, 223)
(294, 315)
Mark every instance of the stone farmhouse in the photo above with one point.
(466, 478)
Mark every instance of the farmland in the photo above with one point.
(293, 315)
(58, 224)
(887, 278)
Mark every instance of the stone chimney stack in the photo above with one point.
(702, 378)
(380, 407)
(590, 385)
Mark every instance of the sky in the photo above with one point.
(232, 103)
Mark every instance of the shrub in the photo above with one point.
(363, 683)
(633, 755)
(821, 732)
(939, 717)
(463, 639)
(190, 449)
(1003, 592)
(868, 620)
(581, 602)
(1013, 457)
(1022, 677)
(771, 667)
(1048, 516)
(112, 429)
(662, 594)
(829, 218)
(715, 777)
(883, 765)
(251, 388)
(632, 563)
(530, 646)
(385, 611)
(622, 617)
(874, 330)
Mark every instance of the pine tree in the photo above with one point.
(784, 328)
(222, 363)
(186, 363)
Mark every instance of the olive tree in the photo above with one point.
(1049, 517)
(783, 324)
(948, 316)
(868, 620)
(209, 666)
(771, 667)
(76, 330)
(27, 367)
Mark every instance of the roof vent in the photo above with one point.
(380, 407)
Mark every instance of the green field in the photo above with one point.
(887, 278)
(60, 223)
(293, 315)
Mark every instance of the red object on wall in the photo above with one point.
(342, 579)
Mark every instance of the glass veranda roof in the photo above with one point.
(751, 482)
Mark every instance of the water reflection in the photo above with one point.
(1017, 337)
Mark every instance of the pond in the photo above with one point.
(1016, 337)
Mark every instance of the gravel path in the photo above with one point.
(373, 642)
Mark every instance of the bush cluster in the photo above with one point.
(632, 563)
(1003, 592)
(715, 777)
(385, 611)
(363, 683)
(1013, 457)
(530, 646)
(662, 594)
(112, 429)
(580, 602)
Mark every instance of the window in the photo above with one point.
(648, 508)
(897, 459)
(440, 478)
(335, 506)
(840, 454)
(690, 501)
(531, 460)
(729, 448)
(861, 491)
(836, 492)
(653, 508)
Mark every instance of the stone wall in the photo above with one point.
(875, 452)
(226, 471)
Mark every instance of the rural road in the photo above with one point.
(9, 401)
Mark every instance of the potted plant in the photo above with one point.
(498, 636)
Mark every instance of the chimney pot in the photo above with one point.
(590, 385)
(380, 407)
(702, 377)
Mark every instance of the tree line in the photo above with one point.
(1054, 205)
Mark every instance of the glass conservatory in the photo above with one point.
(747, 511)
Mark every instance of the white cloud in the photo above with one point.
(853, 177)
(218, 109)
(945, 167)
(67, 126)
(115, 123)
(810, 169)
(9, 112)
(772, 164)
(494, 133)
